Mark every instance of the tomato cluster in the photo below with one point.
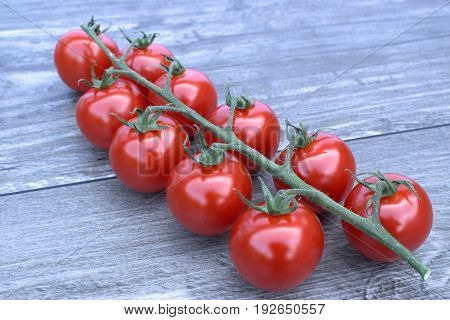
(274, 245)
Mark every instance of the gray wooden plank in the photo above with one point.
(99, 240)
(277, 57)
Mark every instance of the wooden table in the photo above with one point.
(377, 73)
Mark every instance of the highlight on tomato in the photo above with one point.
(76, 52)
(322, 160)
(399, 203)
(200, 192)
(106, 96)
(146, 57)
(191, 87)
(277, 244)
(145, 149)
(254, 123)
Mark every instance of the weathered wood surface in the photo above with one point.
(100, 240)
(69, 229)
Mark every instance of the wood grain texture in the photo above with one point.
(99, 240)
(77, 233)
(278, 57)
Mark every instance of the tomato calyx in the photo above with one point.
(144, 122)
(107, 80)
(210, 155)
(241, 102)
(140, 42)
(301, 138)
(382, 188)
(175, 68)
(283, 203)
(96, 27)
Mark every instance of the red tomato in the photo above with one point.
(147, 61)
(96, 105)
(143, 162)
(276, 252)
(324, 164)
(202, 198)
(257, 126)
(75, 53)
(403, 215)
(194, 89)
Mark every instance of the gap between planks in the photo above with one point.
(114, 177)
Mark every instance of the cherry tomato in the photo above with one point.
(144, 162)
(403, 215)
(257, 126)
(326, 164)
(194, 89)
(147, 61)
(202, 198)
(276, 252)
(96, 105)
(75, 53)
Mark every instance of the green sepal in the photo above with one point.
(301, 138)
(140, 42)
(284, 201)
(241, 102)
(382, 188)
(107, 80)
(96, 27)
(210, 155)
(175, 68)
(144, 122)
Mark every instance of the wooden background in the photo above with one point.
(375, 72)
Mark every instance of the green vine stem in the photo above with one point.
(283, 173)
